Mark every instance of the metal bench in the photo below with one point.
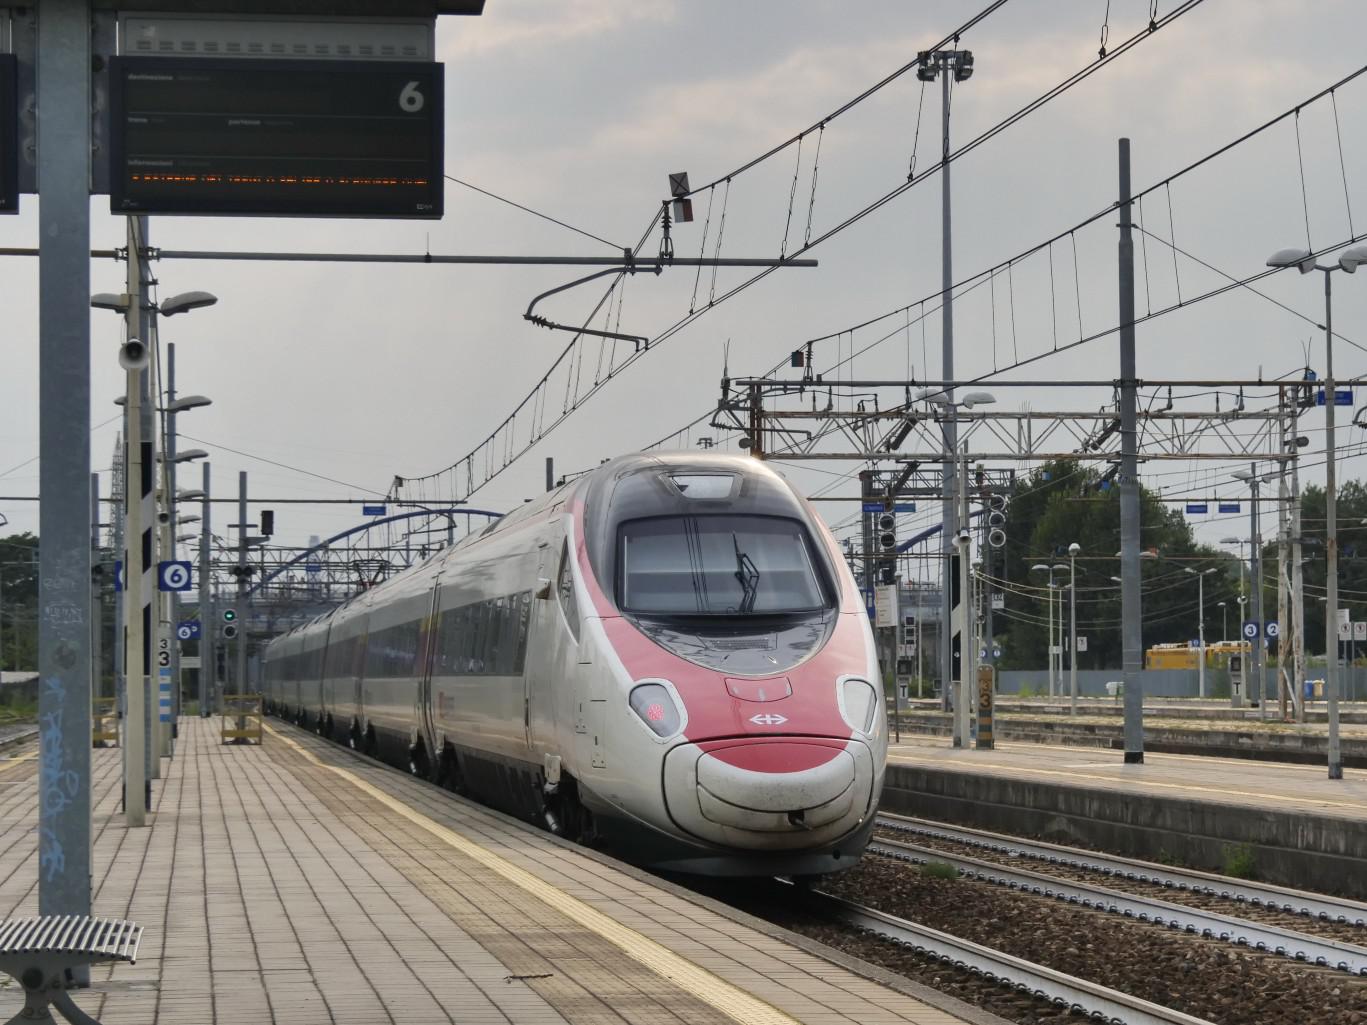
(43, 953)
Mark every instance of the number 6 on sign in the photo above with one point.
(410, 99)
(173, 576)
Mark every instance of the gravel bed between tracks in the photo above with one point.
(1341, 931)
(1207, 979)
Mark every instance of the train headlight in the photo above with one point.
(656, 705)
(858, 704)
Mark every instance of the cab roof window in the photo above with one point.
(703, 485)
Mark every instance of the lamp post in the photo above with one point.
(1043, 568)
(1348, 261)
(1073, 550)
(1224, 622)
(952, 531)
(1201, 624)
(944, 64)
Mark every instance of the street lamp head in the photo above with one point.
(1041, 567)
(110, 301)
(1231, 540)
(187, 301)
(185, 402)
(192, 518)
(1299, 258)
(183, 538)
(963, 67)
(978, 398)
(1074, 548)
(188, 494)
(1060, 566)
(1349, 259)
(934, 396)
(186, 456)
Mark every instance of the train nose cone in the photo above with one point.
(770, 794)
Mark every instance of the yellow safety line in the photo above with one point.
(1147, 781)
(732, 1001)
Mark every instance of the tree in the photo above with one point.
(1064, 503)
(1351, 518)
(18, 602)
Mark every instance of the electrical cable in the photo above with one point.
(534, 213)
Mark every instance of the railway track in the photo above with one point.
(1312, 905)
(1211, 925)
(1085, 998)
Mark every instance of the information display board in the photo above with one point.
(9, 134)
(275, 137)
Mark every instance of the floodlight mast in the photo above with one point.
(1348, 261)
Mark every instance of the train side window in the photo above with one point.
(565, 588)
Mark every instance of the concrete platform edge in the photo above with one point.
(1298, 849)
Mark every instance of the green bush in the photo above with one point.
(1239, 861)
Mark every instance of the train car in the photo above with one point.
(666, 655)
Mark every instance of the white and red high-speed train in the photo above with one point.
(666, 654)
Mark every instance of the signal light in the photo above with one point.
(230, 615)
(230, 631)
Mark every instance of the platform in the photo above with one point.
(1304, 829)
(297, 882)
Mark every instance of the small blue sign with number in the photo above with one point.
(173, 575)
(372, 510)
(118, 575)
(1251, 628)
(188, 630)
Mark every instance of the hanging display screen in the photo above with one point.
(9, 134)
(276, 137)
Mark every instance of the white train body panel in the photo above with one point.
(600, 659)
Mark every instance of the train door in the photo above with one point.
(544, 668)
(427, 654)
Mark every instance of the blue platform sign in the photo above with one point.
(173, 575)
(1251, 629)
(1342, 397)
(372, 510)
(905, 507)
(187, 630)
(1229, 507)
(1198, 507)
(118, 575)
(873, 507)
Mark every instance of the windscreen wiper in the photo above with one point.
(748, 575)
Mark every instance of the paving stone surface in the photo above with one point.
(293, 882)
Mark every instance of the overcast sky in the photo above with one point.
(581, 108)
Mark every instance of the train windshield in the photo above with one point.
(716, 566)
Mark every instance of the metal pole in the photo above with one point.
(137, 481)
(1255, 573)
(1072, 633)
(151, 605)
(118, 496)
(172, 507)
(96, 593)
(550, 473)
(1201, 634)
(206, 613)
(949, 512)
(966, 692)
(1331, 540)
(1131, 609)
(240, 645)
(1297, 580)
(1050, 645)
(63, 123)
(1283, 677)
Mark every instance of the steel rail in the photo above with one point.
(1280, 898)
(1062, 990)
(1254, 935)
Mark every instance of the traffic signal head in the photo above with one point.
(230, 615)
(229, 631)
(887, 531)
(887, 573)
(267, 522)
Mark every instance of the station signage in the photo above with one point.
(9, 134)
(330, 138)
